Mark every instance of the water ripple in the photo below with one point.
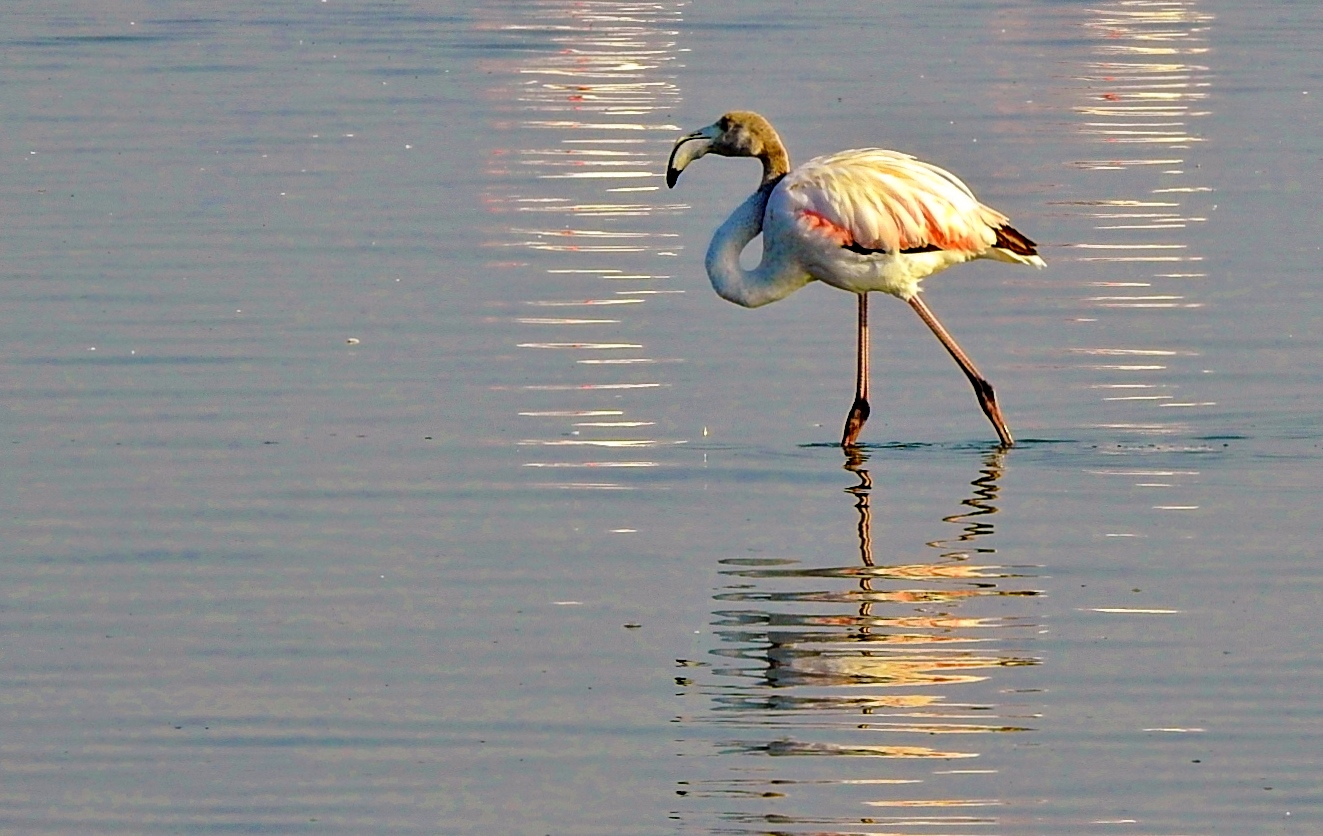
(577, 123)
(1142, 94)
(850, 662)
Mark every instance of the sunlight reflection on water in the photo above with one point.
(1149, 85)
(608, 60)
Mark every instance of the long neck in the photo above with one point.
(775, 276)
(775, 160)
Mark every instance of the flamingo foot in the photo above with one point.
(988, 400)
(854, 422)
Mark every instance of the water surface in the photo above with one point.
(380, 459)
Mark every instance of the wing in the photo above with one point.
(872, 200)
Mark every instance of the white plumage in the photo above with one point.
(861, 220)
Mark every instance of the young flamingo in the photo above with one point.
(861, 221)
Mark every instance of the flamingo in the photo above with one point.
(862, 220)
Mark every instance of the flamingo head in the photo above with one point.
(739, 133)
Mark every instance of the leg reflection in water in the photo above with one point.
(980, 504)
(856, 676)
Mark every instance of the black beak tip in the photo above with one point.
(672, 177)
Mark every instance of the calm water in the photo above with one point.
(379, 460)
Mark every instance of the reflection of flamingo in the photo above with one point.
(907, 629)
(858, 220)
(986, 491)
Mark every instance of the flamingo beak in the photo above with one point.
(687, 149)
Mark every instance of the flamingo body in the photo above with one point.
(862, 220)
(877, 220)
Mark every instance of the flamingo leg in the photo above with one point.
(854, 422)
(982, 388)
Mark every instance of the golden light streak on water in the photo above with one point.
(579, 124)
(1143, 96)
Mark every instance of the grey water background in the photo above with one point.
(378, 458)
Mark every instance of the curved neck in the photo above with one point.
(775, 276)
(775, 160)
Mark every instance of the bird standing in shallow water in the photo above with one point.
(860, 220)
